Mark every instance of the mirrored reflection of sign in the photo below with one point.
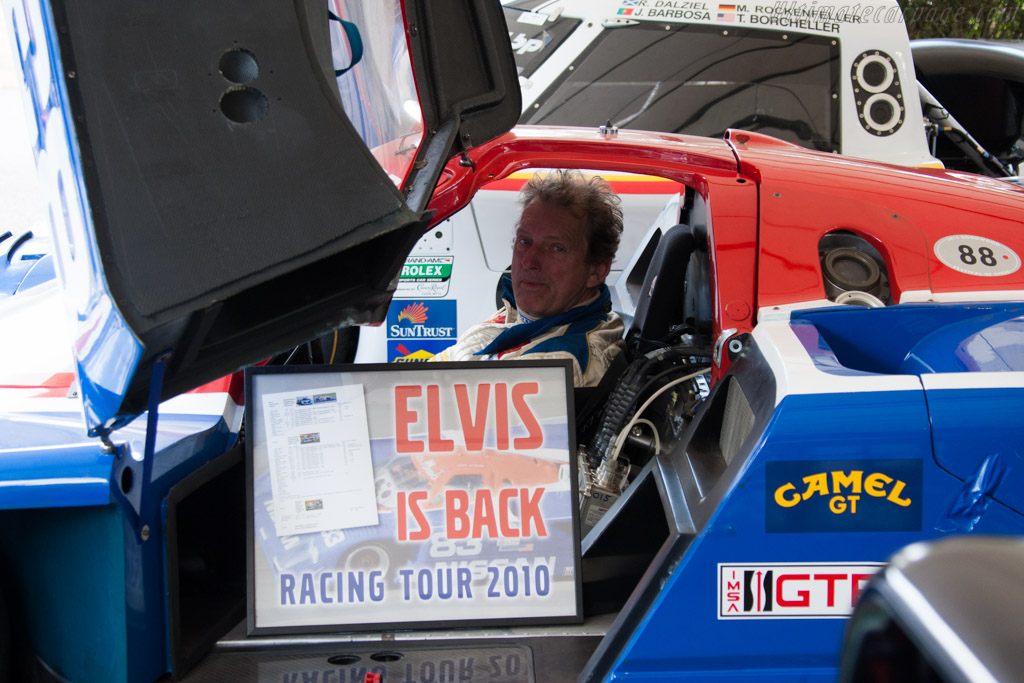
(472, 483)
(465, 665)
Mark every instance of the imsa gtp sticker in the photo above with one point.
(785, 590)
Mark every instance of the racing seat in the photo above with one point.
(661, 305)
(659, 312)
(674, 303)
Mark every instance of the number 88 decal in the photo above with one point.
(976, 255)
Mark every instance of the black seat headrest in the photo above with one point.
(661, 303)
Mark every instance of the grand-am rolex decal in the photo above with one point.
(425, 277)
(784, 590)
(843, 495)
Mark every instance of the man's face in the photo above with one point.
(550, 273)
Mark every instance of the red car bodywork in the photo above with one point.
(770, 203)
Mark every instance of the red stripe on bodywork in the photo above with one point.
(232, 384)
(58, 380)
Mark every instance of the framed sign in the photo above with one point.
(411, 496)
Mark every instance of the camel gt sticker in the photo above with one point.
(843, 495)
(781, 590)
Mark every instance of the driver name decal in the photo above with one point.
(779, 15)
(669, 9)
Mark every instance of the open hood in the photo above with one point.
(228, 179)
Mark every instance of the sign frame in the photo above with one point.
(526, 574)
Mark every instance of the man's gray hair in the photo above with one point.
(590, 198)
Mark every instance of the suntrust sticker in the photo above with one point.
(421, 320)
(419, 329)
(843, 495)
(780, 590)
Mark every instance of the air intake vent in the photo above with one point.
(877, 92)
(737, 422)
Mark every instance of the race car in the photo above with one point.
(823, 361)
(827, 76)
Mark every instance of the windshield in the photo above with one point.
(701, 80)
(375, 80)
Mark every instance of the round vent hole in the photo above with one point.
(239, 66)
(875, 74)
(244, 105)
(386, 656)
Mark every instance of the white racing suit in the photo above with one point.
(590, 335)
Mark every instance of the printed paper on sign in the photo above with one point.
(319, 450)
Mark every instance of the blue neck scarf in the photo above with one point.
(595, 311)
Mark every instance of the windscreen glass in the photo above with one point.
(702, 80)
(375, 80)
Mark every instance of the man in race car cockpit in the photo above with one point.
(556, 302)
